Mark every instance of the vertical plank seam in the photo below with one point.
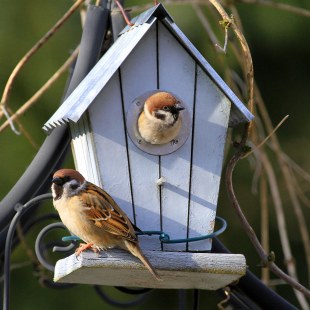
(126, 142)
(81, 138)
(73, 147)
(83, 133)
(192, 155)
(157, 54)
(91, 146)
(159, 157)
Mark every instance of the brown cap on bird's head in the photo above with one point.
(158, 100)
(69, 174)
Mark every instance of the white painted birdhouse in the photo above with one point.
(171, 187)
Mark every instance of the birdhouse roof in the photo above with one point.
(81, 98)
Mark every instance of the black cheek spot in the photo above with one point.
(74, 186)
(160, 116)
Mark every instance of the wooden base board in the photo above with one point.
(178, 270)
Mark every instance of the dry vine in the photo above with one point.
(241, 152)
(21, 64)
(255, 134)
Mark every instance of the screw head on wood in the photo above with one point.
(161, 181)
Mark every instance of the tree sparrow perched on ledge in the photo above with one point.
(160, 121)
(91, 214)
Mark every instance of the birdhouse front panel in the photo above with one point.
(169, 185)
(177, 192)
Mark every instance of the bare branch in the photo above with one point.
(205, 23)
(264, 224)
(267, 138)
(249, 76)
(279, 5)
(34, 49)
(25, 133)
(41, 91)
(128, 22)
(8, 117)
(299, 289)
(250, 232)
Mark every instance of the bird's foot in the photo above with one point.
(85, 246)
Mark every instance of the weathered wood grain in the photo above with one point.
(177, 270)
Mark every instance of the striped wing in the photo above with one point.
(105, 213)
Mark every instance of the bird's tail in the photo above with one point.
(136, 251)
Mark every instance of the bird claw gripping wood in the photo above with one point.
(85, 246)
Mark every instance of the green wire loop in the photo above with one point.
(165, 238)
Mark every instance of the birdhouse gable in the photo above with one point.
(83, 96)
(167, 182)
(158, 12)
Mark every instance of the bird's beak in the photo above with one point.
(57, 181)
(178, 108)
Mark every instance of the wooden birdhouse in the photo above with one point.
(171, 187)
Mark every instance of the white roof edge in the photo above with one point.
(247, 115)
(80, 99)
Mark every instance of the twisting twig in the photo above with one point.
(303, 198)
(246, 56)
(285, 165)
(42, 90)
(291, 163)
(275, 192)
(205, 23)
(37, 46)
(226, 25)
(240, 153)
(279, 5)
(264, 223)
(267, 138)
(128, 22)
(23, 130)
(9, 120)
(250, 232)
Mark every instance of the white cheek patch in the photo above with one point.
(54, 191)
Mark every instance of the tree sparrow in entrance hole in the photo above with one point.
(91, 214)
(160, 121)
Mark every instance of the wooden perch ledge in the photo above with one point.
(178, 270)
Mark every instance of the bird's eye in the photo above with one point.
(165, 108)
(66, 179)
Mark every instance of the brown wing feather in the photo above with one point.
(105, 213)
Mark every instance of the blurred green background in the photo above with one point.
(280, 46)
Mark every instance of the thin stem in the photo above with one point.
(279, 5)
(34, 49)
(239, 154)
(128, 22)
(250, 232)
(8, 117)
(264, 223)
(249, 71)
(41, 91)
(284, 167)
(267, 138)
(205, 23)
(23, 131)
